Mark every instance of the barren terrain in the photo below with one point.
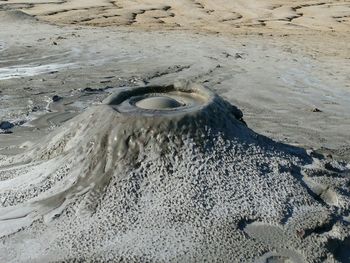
(221, 16)
(284, 64)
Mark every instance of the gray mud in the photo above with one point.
(185, 183)
(85, 179)
(85, 65)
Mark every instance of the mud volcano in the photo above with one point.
(169, 173)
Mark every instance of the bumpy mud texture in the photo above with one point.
(169, 174)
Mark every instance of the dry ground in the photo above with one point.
(220, 15)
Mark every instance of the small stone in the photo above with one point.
(6, 125)
(88, 89)
(56, 98)
(316, 110)
(35, 109)
(238, 55)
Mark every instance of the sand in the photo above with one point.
(223, 188)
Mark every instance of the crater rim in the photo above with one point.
(161, 100)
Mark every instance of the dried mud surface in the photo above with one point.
(222, 16)
(219, 189)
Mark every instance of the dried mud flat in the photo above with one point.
(173, 173)
(219, 16)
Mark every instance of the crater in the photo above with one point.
(158, 102)
(161, 100)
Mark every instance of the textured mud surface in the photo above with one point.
(174, 175)
(222, 15)
(182, 183)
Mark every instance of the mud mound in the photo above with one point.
(165, 174)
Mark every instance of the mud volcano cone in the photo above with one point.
(164, 173)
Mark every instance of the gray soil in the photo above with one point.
(87, 178)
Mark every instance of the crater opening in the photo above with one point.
(158, 103)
